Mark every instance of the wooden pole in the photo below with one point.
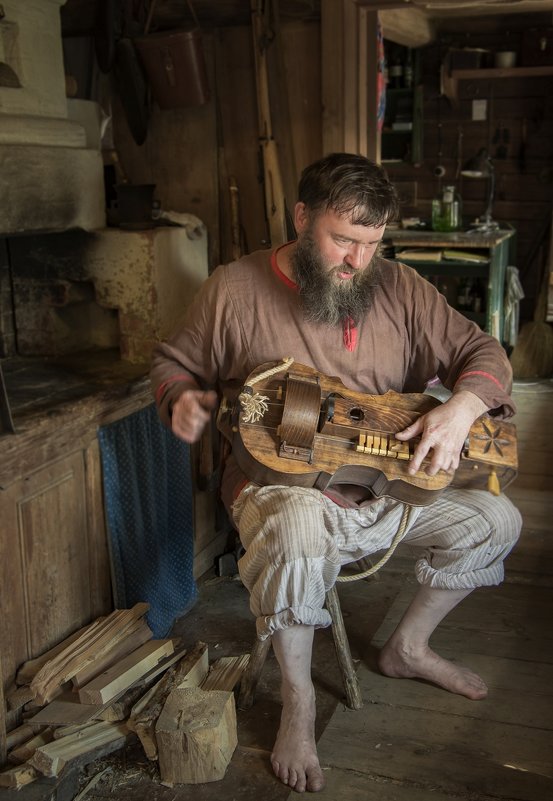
(275, 207)
(354, 698)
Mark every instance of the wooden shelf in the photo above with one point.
(503, 72)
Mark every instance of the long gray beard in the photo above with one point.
(324, 300)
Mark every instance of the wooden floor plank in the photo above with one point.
(509, 621)
(530, 683)
(351, 785)
(456, 755)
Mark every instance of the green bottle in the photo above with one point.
(446, 211)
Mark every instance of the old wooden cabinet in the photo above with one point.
(54, 561)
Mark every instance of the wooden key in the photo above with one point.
(401, 449)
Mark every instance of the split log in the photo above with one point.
(24, 751)
(127, 645)
(189, 672)
(29, 669)
(77, 728)
(124, 707)
(121, 708)
(196, 736)
(16, 699)
(103, 737)
(62, 712)
(225, 673)
(17, 777)
(19, 735)
(97, 639)
(125, 673)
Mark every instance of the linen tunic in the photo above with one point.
(248, 312)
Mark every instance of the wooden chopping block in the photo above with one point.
(196, 735)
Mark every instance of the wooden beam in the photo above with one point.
(332, 53)
(349, 59)
(364, 80)
(351, 77)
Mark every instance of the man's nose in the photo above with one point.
(355, 257)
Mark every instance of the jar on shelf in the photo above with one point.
(446, 210)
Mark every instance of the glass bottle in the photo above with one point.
(446, 210)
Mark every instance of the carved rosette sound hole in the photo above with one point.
(356, 414)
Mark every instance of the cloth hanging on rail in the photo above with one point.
(149, 509)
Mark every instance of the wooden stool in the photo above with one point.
(260, 650)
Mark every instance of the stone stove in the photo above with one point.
(70, 286)
(50, 179)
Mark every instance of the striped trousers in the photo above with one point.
(297, 539)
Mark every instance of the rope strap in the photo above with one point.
(398, 536)
(255, 405)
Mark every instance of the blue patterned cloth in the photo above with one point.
(149, 510)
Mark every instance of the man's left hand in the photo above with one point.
(443, 432)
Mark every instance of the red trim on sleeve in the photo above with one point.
(162, 387)
(482, 373)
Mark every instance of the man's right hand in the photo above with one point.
(191, 412)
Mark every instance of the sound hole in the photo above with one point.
(356, 414)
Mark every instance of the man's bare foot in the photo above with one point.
(294, 758)
(425, 664)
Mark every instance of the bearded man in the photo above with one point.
(330, 301)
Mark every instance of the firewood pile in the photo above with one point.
(111, 681)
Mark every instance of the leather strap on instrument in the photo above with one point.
(300, 418)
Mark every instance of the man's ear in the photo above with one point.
(301, 216)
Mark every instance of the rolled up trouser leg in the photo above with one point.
(465, 536)
(296, 540)
(290, 559)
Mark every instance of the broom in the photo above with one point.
(532, 356)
